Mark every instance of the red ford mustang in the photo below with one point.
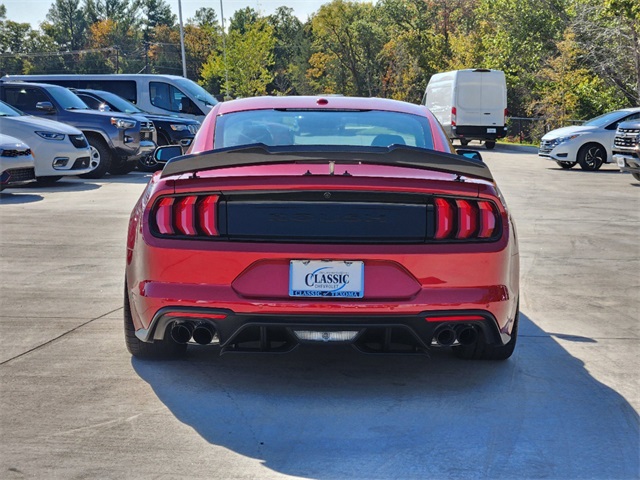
(330, 220)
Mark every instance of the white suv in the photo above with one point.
(58, 149)
(588, 144)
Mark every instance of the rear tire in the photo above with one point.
(636, 176)
(591, 156)
(489, 145)
(483, 351)
(160, 349)
(100, 157)
(464, 142)
(566, 165)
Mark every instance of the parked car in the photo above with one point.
(588, 144)
(170, 129)
(58, 148)
(16, 162)
(626, 148)
(160, 94)
(117, 141)
(321, 220)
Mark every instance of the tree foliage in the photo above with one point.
(564, 59)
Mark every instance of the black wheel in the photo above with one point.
(636, 176)
(165, 349)
(482, 351)
(566, 165)
(123, 168)
(148, 164)
(464, 142)
(100, 157)
(489, 145)
(591, 156)
(49, 180)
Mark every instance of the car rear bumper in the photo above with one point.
(282, 333)
(248, 290)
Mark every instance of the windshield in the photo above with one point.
(9, 111)
(322, 127)
(67, 99)
(196, 91)
(606, 119)
(119, 104)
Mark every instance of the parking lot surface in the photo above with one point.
(75, 405)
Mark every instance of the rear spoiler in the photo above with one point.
(260, 154)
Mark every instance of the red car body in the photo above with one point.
(217, 237)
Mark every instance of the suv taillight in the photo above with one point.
(453, 116)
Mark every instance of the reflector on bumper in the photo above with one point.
(311, 336)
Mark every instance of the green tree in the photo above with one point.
(67, 24)
(249, 59)
(347, 40)
(289, 48)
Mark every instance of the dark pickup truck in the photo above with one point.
(117, 140)
(626, 148)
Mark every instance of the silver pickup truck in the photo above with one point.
(626, 148)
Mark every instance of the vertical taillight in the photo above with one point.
(444, 218)
(164, 216)
(465, 219)
(185, 215)
(488, 220)
(190, 215)
(208, 215)
(454, 118)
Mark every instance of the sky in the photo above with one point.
(35, 11)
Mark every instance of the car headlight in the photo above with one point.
(51, 135)
(179, 127)
(122, 123)
(560, 140)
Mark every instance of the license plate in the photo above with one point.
(491, 130)
(318, 278)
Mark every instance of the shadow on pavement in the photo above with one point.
(332, 413)
(16, 198)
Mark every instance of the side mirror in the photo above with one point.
(104, 107)
(166, 152)
(470, 154)
(45, 107)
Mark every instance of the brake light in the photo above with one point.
(164, 216)
(185, 215)
(191, 215)
(465, 219)
(208, 215)
(444, 218)
(454, 118)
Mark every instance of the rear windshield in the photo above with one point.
(324, 127)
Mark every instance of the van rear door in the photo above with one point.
(481, 98)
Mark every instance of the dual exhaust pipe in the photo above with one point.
(201, 332)
(464, 334)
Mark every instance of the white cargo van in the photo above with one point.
(470, 104)
(160, 94)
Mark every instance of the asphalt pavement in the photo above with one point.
(75, 405)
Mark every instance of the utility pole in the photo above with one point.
(184, 62)
(224, 54)
(146, 57)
